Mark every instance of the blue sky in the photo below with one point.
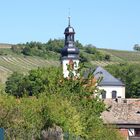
(111, 24)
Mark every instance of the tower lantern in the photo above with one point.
(70, 54)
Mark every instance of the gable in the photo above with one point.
(108, 79)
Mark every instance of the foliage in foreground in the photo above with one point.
(68, 103)
(20, 118)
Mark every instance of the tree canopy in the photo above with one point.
(69, 103)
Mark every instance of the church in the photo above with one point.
(112, 87)
(121, 112)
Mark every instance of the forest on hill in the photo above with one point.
(88, 53)
(52, 50)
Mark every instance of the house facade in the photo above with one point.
(111, 87)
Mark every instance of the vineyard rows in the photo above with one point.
(9, 64)
(120, 55)
(103, 63)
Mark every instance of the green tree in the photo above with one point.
(83, 58)
(13, 84)
(55, 45)
(130, 75)
(32, 84)
(27, 51)
(81, 94)
(90, 49)
(61, 112)
(20, 118)
(78, 44)
(107, 57)
(136, 47)
(17, 48)
(35, 82)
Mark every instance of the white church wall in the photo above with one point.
(120, 91)
(65, 63)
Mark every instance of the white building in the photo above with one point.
(112, 87)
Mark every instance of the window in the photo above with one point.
(114, 94)
(103, 94)
(137, 132)
(70, 38)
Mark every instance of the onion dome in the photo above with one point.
(69, 30)
(69, 50)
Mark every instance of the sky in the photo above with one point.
(112, 24)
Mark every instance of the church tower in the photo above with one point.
(70, 54)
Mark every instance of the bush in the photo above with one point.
(107, 57)
(14, 84)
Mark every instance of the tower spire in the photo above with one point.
(69, 18)
(69, 21)
(69, 54)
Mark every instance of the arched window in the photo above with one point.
(114, 94)
(70, 37)
(103, 94)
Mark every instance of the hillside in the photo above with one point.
(10, 61)
(119, 56)
(4, 45)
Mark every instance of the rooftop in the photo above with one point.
(122, 111)
(108, 79)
